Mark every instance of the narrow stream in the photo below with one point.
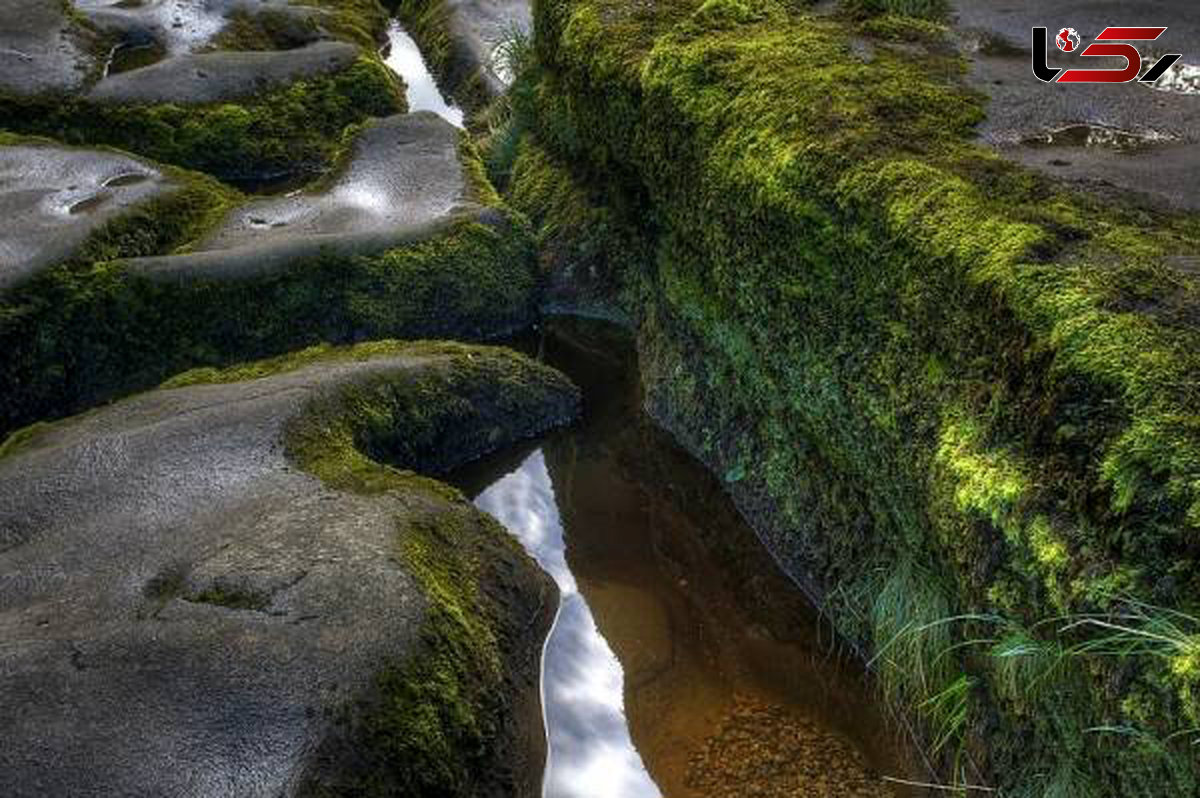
(404, 58)
(682, 663)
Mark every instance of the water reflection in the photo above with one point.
(591, 754)
(722, 684)
(404, 58)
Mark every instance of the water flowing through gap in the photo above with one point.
(590, 752)
(681, 662)
(403, 57)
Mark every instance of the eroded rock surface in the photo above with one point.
(39, 51)
(478, 27)
(183, 26)
(187, 612)
(44, 49)
(212, 77)
(403, 178)
(52, 198)
(1129, 135)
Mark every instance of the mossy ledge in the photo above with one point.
(99, 326)
(587, 255)
(75, 336)
(416, 668)
(956, 399)
(295, 129)
(445, 721)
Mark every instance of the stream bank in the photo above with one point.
(954, 397)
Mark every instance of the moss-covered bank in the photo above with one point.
(460, 716)
(295, 129)
(585, 252)
(83, 333)
(942, 387)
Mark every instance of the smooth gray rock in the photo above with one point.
(182, 26)
(1025, 111)
(39, 49)
(117, 675)
(478, 27)
(52, 198)
(218, 76)
(403, 180)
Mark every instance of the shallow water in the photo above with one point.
(404, 58)
(682, 662)
(1094, 135)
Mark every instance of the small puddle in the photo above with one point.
(404, 58)
(128, 57)
(1093, 135)
(682, 662)
(127, 179)
(88, 205)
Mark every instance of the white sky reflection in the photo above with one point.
(405, 60)
(591, 753)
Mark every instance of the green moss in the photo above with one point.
(230, 597)
(293, 129)
(267, 29)
(926, 9)
(586, 249)
(909, 350)
(439, 723)
(899, 28)
(361, 21)
(79, 334)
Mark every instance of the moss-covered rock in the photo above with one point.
(108, 322)
(250, 556)
(589, 257)
(941, 386)
(290, 130)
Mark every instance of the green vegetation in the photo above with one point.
(926, 9)
(585, 251)
(295, 128)
(435, 724)
(267, 29)
(230, 597)
(360, 21)
(907, 351)
(81, 333)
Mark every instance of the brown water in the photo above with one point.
(682, 662)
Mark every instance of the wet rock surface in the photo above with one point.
(39, 48)
(183, 26)
(403, 178)
(167, 43)
(185, 612)
(211, 77)
(1141, 139)
(52, 198)
(480, 26)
